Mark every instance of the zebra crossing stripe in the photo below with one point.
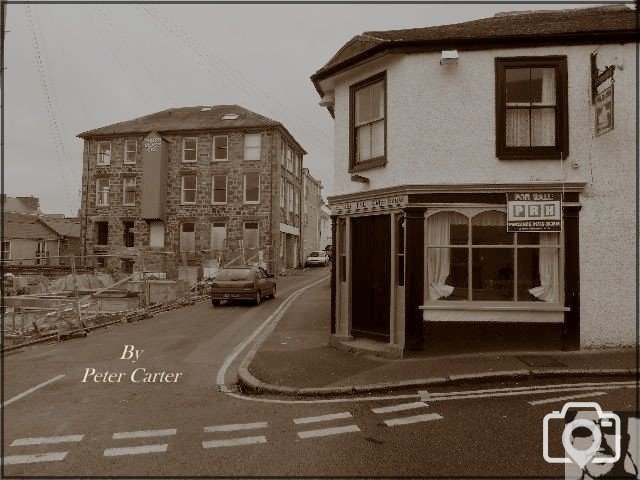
(46, 440)
(399, 408)
(142, 449)
(145, 433)
(322, 418)
(235, 427)
(36, 458)
(233, 442)
(328, 431)
(392, 422)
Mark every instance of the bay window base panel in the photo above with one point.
(495, 313)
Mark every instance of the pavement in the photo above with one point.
(295, 358)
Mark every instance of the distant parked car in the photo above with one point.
(242, 283)
(317, 258)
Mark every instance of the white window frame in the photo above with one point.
(127, 160)
(125, 181)
(283, 203)
(213, 149)
(289, 159)
(244, 189)
(100, 158)
(470, 212)
(102, 194)
(6, 253)
(213, 188)
(259, 147)
(184, 149)
(182, 191)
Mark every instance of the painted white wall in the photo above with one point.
(441, 130)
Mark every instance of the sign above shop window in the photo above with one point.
(370, 205)
(604, 111)
(534, 212)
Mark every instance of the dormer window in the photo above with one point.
(368, 109)
(230, 116)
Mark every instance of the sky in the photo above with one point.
(72, 68)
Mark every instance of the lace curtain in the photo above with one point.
(547, 291)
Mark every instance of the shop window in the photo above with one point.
(190, 149)
(102, 192)
(129, 191)
(104, 153)
(130, 151)
(219, 189)
(218, 236)
(252, 188)
(472, 257)
(252, 146)
(221, 148)
(188, 237)
(128, 234)
(531, 108)
(368, 124)
(102, 233)
(156, 234)
(189, 189)
(250, 235)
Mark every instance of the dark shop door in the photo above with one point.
(370, 276)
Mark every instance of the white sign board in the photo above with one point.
(534, 212)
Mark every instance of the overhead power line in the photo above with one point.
(236, 79)
(54, 126)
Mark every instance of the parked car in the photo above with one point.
(317, 258)
(242, 283)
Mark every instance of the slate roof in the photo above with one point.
(189, 118)
(12, 204)
(529, 28)
(66, 227)
(26, 226)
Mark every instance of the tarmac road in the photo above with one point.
(189, 428)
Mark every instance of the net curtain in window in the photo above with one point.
(549, 271)
(439, 259)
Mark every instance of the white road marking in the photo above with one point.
(31, 390)
(235, 427)
(392, 422)
(116, 452)
(46, 440)
(399, 408)
(328, 431)
(570, 397)
(322, 418)
(145, 433)
(329, 400)
(516, 389)
(525, 392)
(233, 442)
(279, 311)
(37, 458)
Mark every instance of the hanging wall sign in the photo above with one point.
(604, 111)
(534, 212)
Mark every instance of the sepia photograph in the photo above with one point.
(320, 239)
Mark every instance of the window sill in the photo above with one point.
(129, 163)
(531, 155)
(368, 164)
(218, 160)
(251, 203)
(218, 203)
(496, 306)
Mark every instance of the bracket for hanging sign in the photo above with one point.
(598, 77)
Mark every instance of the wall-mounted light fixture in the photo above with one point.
(449, 57)
(359, 179)
(327, 101)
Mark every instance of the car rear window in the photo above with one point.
(234, 274)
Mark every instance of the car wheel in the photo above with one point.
(258, 298)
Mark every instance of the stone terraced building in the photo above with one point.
(186, 189)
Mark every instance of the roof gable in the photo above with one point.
(26, 226)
